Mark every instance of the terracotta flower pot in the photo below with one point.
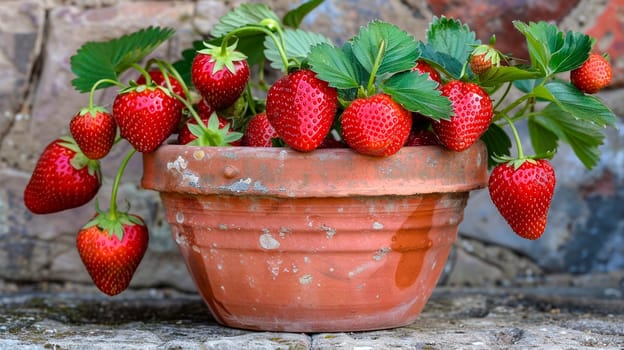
(329, 240)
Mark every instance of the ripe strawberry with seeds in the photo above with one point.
(376, 125)
(64, 178)
(472, 114)
(522, 192)
(259, 132)
(301, 108)
(593, 75)
(423, 67)
(111, 248)
(94, 130)
(220, 77)
(146, 116)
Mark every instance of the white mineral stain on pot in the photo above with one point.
(191, 178)
(306, 279)
(180, 239)
(359, 269)
(273, 265)
(242, 185)
(179, 217)
(330, 231)
(378, 225)
(259, 187)
(179, 164)
(381, 253)
(267, 241)
(196, 248)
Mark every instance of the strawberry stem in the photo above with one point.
(102, 81)
(371, 81)
(516, 136)
(262, 28)
(167, 69)
(145, 73)
(122, 167)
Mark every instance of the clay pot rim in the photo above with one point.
(335, 172)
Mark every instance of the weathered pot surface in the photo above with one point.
(325, 241)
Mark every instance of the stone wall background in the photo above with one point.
(583, 244)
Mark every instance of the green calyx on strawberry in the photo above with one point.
(212, 131)
(63, 178)
(146, 116)
(220, 74)
(111, 246)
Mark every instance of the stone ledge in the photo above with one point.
(553, 318)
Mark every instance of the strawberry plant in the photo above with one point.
(379, 91)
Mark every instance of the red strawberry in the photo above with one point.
(204, 109)
(94, 131)
(190, 130)
(423, 67)
(159, 79)
(220, 79)
(111, 250)
(376, 125)
(63, 178)
(301, 108)
(473, 113)
(146, 116)
(593, 75)
(259, 132)
(523, 195)
(421, 137)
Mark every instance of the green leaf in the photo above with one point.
(528, 85)
(334, 66)
(245, 14)
(551, 50)
(540, 38)
(542, 139)
(298, 44)
(418, 93)
(97, 60)
(503, 74)
(451, 41)
(580, 105)
(574, 51)
(399, 50)
(583, 136)
(293, 18)
(441, 61)
(497, 142)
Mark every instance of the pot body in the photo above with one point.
(325, 241)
